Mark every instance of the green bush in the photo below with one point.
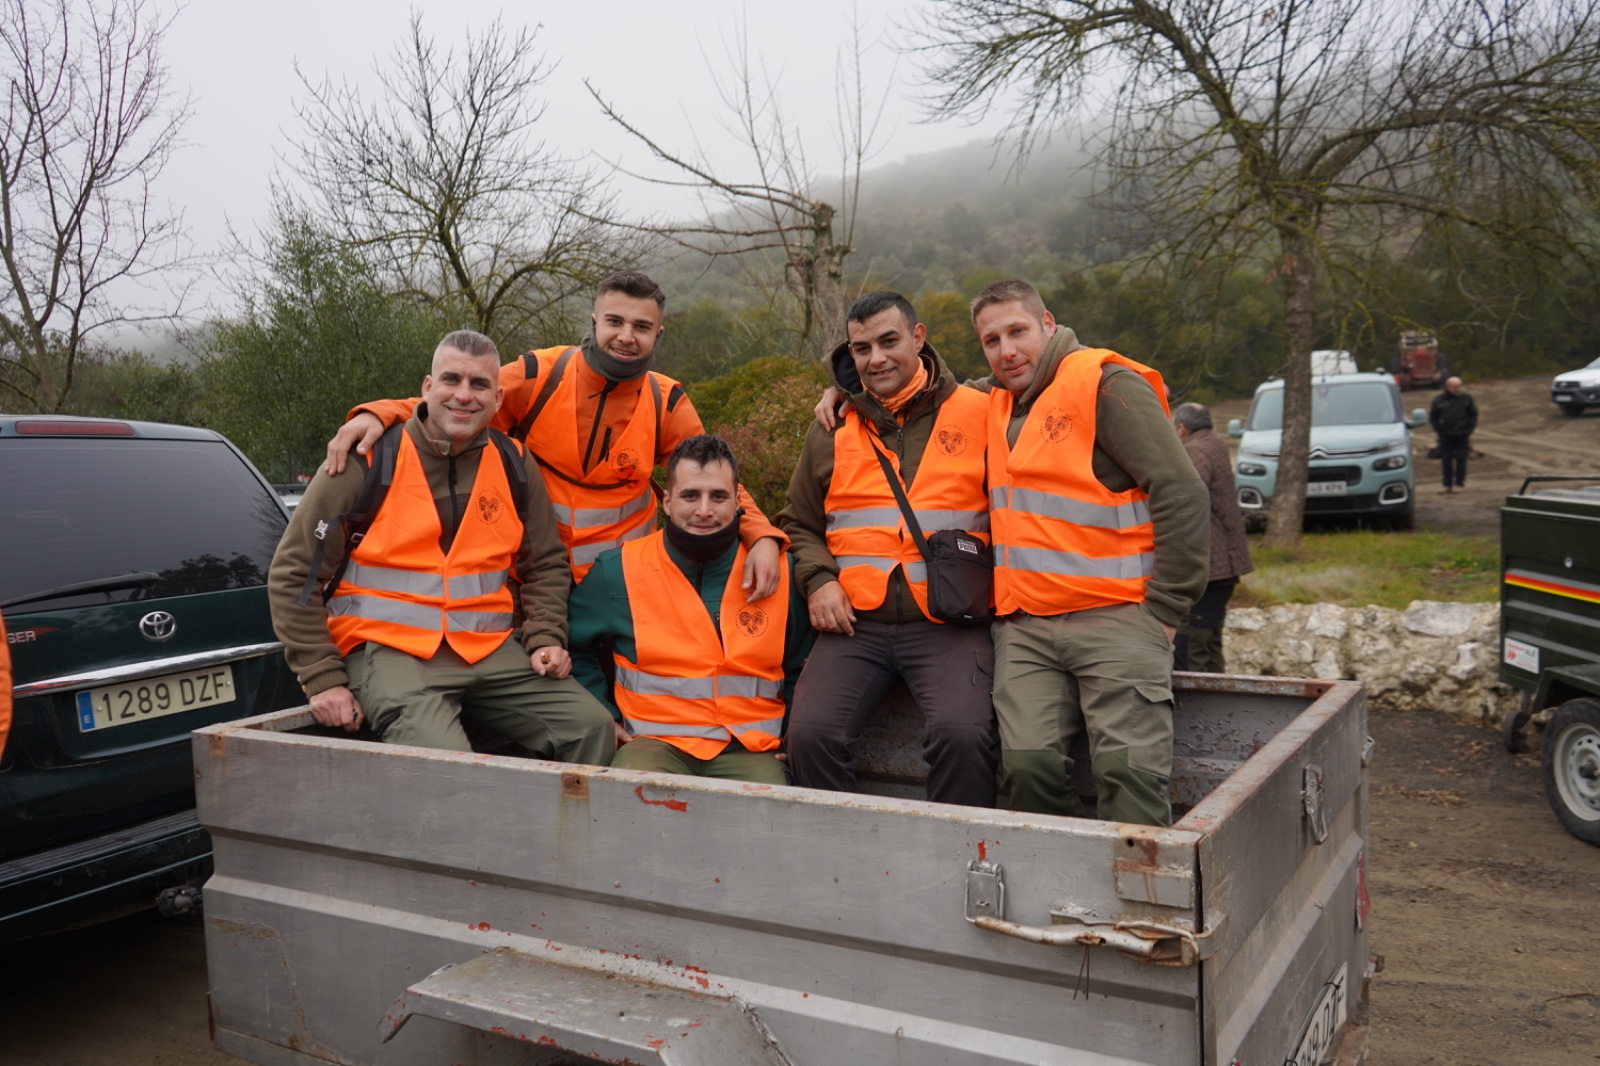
(763, 409)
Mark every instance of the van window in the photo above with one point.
(1350, 403)
(75, 510)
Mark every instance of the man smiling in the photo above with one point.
(411, 631)
(866, 580)
(598, 419)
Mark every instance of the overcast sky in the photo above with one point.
(238, 61)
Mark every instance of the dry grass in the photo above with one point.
(1358, 567)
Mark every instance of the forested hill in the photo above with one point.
(940, 226)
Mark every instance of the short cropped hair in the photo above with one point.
(634, 284)
(470, 343)
(702, 449)
(1012, 290)
(875, 303)
(1192, 416)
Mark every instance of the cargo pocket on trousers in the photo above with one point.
(1153, 754)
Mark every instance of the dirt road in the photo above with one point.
(1520, 432)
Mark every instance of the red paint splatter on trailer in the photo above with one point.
(482, 927)
(983, 850)
(669, 804)
(718, 880)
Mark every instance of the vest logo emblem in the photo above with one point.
(1056, 426)
(952, 441)
(753, 620)
(625, 460)
(490, 507)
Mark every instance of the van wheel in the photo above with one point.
(1571, 410)
(1255, 523)
(1407, 518)
(1570, 765)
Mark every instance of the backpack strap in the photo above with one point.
(354, 523)
(545, 392)
(516, 470)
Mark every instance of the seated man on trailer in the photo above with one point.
(598, 420)
(703, 672)
(406, 622)
(863, 573)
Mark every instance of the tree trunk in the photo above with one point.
(1287, 514)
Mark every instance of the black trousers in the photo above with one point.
(1198, 643)
(1453, 451)
(950, 672)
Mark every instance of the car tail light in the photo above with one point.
(69, 428)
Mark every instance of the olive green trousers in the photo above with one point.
(408, 700)
(735, 763)
(1106, 672)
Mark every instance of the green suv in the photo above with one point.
(133, 563)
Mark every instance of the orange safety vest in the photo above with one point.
(688, 687)
(1063, 541)
(400, 590)
(613, 503)
(866, 531)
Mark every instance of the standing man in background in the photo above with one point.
(1198, 645)
(1454, 416)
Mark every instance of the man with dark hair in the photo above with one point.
(703, 673)
(1101, 541)
(1198, 645)
(862, 573)
(1454, 416)
(411, 630)
(598, 420)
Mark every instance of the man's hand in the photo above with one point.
(830, 610)
(552, 661)
(337, 706)
(623, 736)
(761, 568)
(830, 409)
(361, 432)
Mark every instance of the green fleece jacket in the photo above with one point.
(1135, 445)
(602, 618)
(804, 518)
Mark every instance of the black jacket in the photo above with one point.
(1453, 416)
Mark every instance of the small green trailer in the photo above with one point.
(1550, 637)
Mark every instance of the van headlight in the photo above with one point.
(1252, 470)
(1390, 462)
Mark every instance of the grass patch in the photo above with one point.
(1358, 567)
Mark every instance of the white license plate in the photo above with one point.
(1325, 488)
(1562, 397)
(152, 697)
(1327, 1017)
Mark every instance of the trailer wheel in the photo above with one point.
(1570, 763)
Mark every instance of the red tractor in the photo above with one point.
(1419, 362)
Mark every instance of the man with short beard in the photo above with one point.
(1102, 542)
(598, 419)
(862, 572)
(411, 631)
(703, 673)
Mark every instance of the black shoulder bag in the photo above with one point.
(960, 566)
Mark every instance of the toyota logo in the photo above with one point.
(158, 625)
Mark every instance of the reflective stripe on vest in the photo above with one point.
(402, 591)
(612, 503)
(1063, 541)
(689, 686)
(865, 529)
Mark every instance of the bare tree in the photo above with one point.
(442, 181)
(1306, 128)
(778, 216)
(88, 125)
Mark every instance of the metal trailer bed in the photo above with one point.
(383, 904)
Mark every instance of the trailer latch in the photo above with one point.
(1153, 942)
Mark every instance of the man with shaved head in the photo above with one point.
(408, 627)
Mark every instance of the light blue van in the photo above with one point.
(1360, 449)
